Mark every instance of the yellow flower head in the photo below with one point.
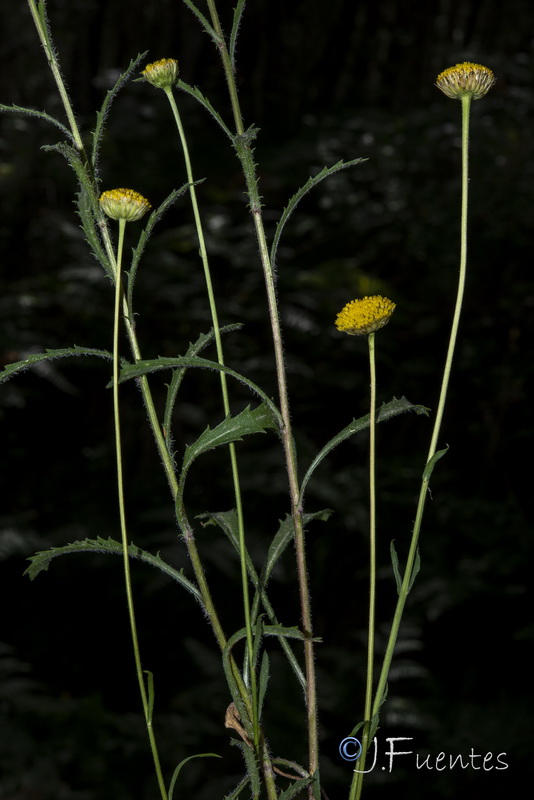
(365, 316)
(161, 73)
(466, 79)
(124, 204)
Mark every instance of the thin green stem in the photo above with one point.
(358, 776)
(122, 515)
(410, 562)
(226, 405)
(244, 151)
(39, 18)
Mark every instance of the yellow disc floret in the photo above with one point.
(466, 79)
(124, 204)
(162, 73)
(365, 316)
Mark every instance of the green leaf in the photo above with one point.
(374, 726)
(178, 375)
(227, 521)
(415, 570)
(88, 211)
(181, 764)
(295, 788)
(264, 680)
(289, 633)
(284, 536)
(104, 110)
(395, 563)
(297, 197)
(238, 11)
(49, 355)
(203, 21)
(252, 769)
(150, 692)
(197, 94)
(243, 783)
(42, 115)
(229, 665)
(154, 217)
(432, 463)
(231, 429)
(386, 412)
(41, 560)
(79, 167)
(129, 371)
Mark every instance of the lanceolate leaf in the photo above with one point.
(41, 561)
(238, 11)
(197, 94)
(145, 234)
(110, 96)
(181, 764)
(386, 412)
(395, 564)
(283, 537)
(297, 197)
(129, 371)
(296, 788)
(49, 355)
(178, 375)
(227, 521)
(231, 429)
(202, 19)
(432, 463)
(87, 212)
(42, 115)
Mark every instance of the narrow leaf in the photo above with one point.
(178, 375)
(150, 692)
(415, 570)
(395, 563)
(146, 232)
(130, 371)
(104, 110)
(49, 355)
(181, 764)
(78, 166)
(284, 536)
(252, 769)
(295, 788)
(243, 783)
(238, 12)
(42, 115)
(231, 429)
(197, 94)
(386, 412)
(41, 560)
(87, 213)
(203, 21)
(432, 463)
(264, 680)
(297, 197)
(290, 633)
(227, 521)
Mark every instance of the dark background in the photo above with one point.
(323, 81)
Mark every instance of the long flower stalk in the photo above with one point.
(162, 74)
(122, 517)
(464, 82)
(365, 317)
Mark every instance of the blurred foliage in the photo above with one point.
(70, 723)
